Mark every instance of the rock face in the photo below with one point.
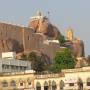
(78, 48)
(8, 45)
(14, 38)
(43, 56)
(23, 39)
(41, 24)
(40, 35)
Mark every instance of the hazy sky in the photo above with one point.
(63, 13)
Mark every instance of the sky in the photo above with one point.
(63, 13)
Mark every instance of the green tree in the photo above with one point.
(63, 60)
(24, 56)
(37, 63)
(62, 40)
(32, 56)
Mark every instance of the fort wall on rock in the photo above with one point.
(10, 37)
(50, 49)
(14, 37)
(24, 39)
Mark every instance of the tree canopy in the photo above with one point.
(61, 39)
(63, 60)
(24, 56)
(37, 63)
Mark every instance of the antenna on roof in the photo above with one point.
(39, 13)
(48, 15)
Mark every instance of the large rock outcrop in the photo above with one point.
(41, 35)
(78, 48)
(46, 59)
(41, 24)
(8, 45)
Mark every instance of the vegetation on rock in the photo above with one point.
(62, 40)
(63, 60)
(23, 56)
(37, 63)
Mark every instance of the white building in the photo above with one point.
(9, 63)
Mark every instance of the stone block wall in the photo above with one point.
(24, 39)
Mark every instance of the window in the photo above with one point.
(16, 67)
(5, 66)
(38, 86)
(46, 85)
(24, 68)
(12, 67)
(29, 83)
(71, 84)
(62, 85)
(4, 84)
(88, 81)
(54, 85)
(13, 83)
(21, 84)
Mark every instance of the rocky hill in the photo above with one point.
(40, 35)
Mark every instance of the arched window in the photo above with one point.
(21, 82)
(38, 86)
(29, 81)
(80, 84)
(46, 86)
(88, 81)
(5, 84)
(62, 84)
(13, 83)
(54, 85)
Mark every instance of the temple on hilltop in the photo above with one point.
(77, 47)
(40, 36)
(76, 44)
(42, 25)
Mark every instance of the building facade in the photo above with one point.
(71, 79)
(9, 63)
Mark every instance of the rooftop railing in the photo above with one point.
(49, 76)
